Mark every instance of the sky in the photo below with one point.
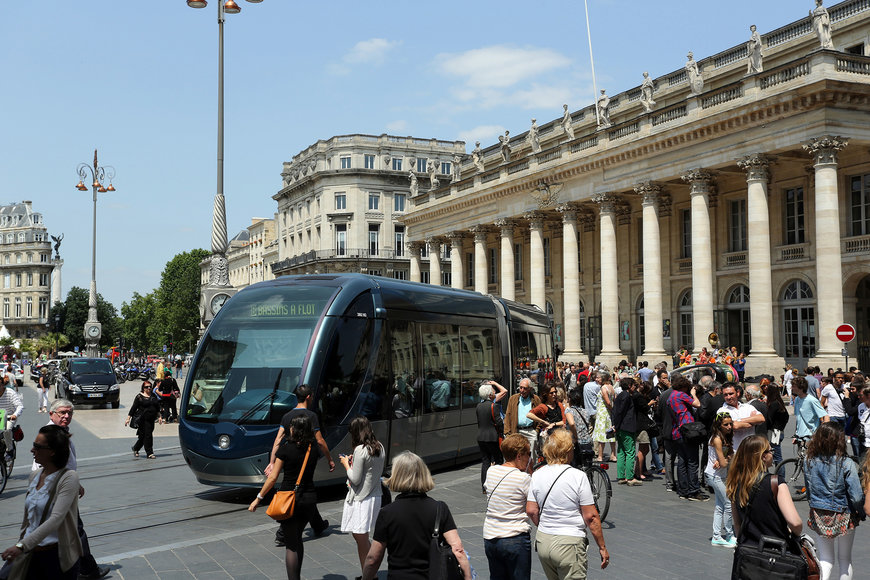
(138, 81)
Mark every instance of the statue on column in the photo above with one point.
(414, 187)
(57, 240)
(566, 123)
(432, 170)
(822, 25)
(646, 93)
(477, 157)
(457, 170)
(603, 107)
(696, 81)
(753, 49)
(505, 141)
(532, 137)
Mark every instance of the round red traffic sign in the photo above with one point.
(845, 333)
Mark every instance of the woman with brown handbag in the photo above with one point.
(296, 456)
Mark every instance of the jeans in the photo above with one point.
(777, 458)
(723, 527)
(509, 558)
(670, 456)
(687, 467)
(654, 456)
(626, 454)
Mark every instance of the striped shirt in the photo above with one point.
(506, 510)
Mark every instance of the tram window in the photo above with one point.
(441, 377)
(480, 355)
(407, 386)
(344, 368)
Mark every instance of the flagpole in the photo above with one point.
(592, 61)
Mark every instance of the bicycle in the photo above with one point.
(794, 469)
(7, 463)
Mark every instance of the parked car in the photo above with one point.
(89, 380)
(12, 369)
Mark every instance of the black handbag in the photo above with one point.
(443, 564)
(694, 432)
(135, 419)
(769, 560)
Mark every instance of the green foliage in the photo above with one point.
(140, 322)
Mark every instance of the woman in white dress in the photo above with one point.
(603, 432)
(364, 470)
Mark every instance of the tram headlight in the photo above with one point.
(224, 441)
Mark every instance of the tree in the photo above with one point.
(178, 296)
(74, 314)
(140, 322)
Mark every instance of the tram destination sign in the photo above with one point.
(845, 333)
(302, 309)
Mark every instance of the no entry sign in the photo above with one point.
(845, 333)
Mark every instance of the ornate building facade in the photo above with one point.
(29, 274)
(729, 196)
(343, 200)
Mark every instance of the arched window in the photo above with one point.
(799, 323)
(684, 309)
(738, 329)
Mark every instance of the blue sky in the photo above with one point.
(139, 81)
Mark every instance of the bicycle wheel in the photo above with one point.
(10, 459)
(794, 477)
(601, 489)
(4, 477)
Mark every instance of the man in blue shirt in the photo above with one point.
(516, 419)
(808, 411)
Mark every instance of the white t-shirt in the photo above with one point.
(834, 403)
(864, 417)
(739, 413)
(561, 515)
(506, 511)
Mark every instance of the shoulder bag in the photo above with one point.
(283, 503)
(443, 564)
(693, 432)
(770, 558)
(497, 422)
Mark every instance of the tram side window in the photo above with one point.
(534, 353)
(441, 377)
(344, 368)
(407, 387)
(480, 361)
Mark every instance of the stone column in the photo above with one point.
(610, 353)
(654, 343)
(481, 279)
(506, 229)
(571, 283)
(762, 356)
(829, 266)
(700, 182)
(414, 249)
(457, 265)
(434, 260)
(536, 262)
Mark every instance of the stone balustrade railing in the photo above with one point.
(786, 73)
(792, 253)
(734, 259)
(852, 63)
(856, 245)
(684, 265)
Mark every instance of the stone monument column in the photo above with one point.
(762, 356)
(654, 343)
(700, 182)
(536, 262)
(56, 289)
(414, 249)
(506, 229)
(829, 266)
(481, 278)
(610, 353)
(571, 283)
(457, 266)
(434, 260)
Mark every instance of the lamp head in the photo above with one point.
(81, 186)
(231, 7)
(110, 188)
(197, 3)
(101, 189)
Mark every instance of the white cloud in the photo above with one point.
(482, 133)
(370, 51)
(500, 66)
(398, 126)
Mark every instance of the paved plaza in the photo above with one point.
(151, 519)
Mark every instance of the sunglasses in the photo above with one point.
(39, 447)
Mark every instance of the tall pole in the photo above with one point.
(219, 270)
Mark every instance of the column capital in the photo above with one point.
(756, 166)
(650, 192)
(569, 211)
(414, 248)
(824, 149)
(480, 232)
(434, 241)
(535, 218)
(506, 226)
(607, 202)
(456, 237)
(699, 180)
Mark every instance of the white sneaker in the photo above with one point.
(722, 542)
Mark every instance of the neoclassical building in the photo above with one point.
(30, 276)
(731, 196)
(343, 199)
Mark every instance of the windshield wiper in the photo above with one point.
(269, 396)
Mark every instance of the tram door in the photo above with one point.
(407, 389)
(440, 350)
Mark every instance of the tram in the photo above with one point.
(408, 356)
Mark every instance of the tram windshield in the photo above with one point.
(252, 355)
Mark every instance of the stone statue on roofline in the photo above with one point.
(753, 50)
(414, 186)
(822, 25)
(693, 71)
(603, 107)
(646, 93)
(532, 137)
(457, 170)
(432, 170)
(477, 157)
(567, 126)
(505, 141)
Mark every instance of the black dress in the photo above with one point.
(148, 408)
(293, 456)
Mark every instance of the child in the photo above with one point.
(720, 454)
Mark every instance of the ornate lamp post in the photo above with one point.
(93, 329)
(218, 290)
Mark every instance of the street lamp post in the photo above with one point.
(93, 329)
(218, 289)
